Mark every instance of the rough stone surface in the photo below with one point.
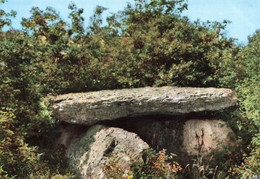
(92, 107)
(94, 151)
(178, 135)
(213, 135)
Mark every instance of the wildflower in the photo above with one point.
(169, 167)
(201, 168)
(215, 171)
(155, 163)
(216, 168)
(163, 166)
(56, 59)
(174, 169)
(187, 166)
(211, 158)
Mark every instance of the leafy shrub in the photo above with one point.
(249, 119)
(16, 157)
(156, 165)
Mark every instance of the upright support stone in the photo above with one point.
(100, 146)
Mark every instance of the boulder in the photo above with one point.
(102, 147)
(206, 136)
(187, 138)
(92, 107)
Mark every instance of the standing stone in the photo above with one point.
(100, 147)
(212, 135)
(183, 137)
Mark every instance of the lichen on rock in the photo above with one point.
(93, 152)
(92, 107)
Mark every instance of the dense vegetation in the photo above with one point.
(147, 44)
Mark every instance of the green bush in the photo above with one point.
(16, 157)
(156, 165)
(249, 118)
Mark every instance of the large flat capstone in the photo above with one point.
(92, 107)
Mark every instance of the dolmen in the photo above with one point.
(119, 125)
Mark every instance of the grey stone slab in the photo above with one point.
(92, 107)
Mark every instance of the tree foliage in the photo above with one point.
(249, 113)
(5, 17)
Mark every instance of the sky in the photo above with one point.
(243, 14)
